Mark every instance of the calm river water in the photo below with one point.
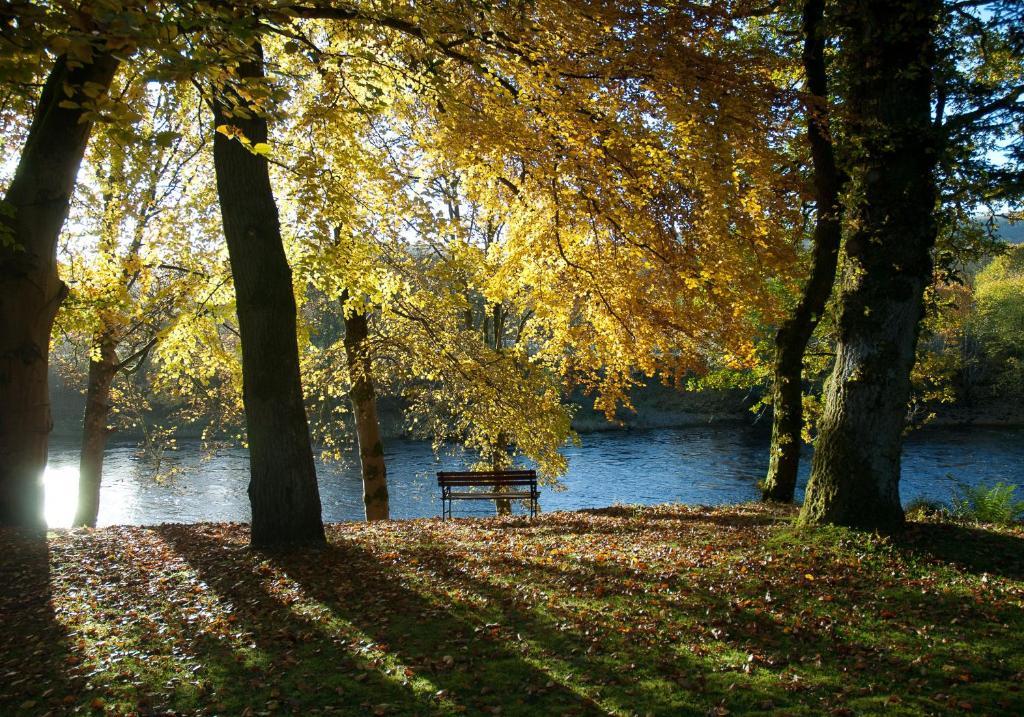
(704, 465)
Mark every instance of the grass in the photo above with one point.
(667, 610)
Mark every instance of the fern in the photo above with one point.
(988, 503)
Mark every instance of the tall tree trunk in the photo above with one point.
(36, 206)
(364, 408)
(856, 469)
(499, 458)
(792, 337)
(282, 487)
(94, 431)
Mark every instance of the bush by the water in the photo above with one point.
(923, 509)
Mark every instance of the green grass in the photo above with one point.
(667, 610)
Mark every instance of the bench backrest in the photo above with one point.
(486, 478)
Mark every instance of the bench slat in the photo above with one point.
(519, 475)
(485, 473)
(487, 482)
(487, 478)
(491, 496)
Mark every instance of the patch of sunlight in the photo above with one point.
(60, 485)
(364, 648)
(368, 652)
(165, 644)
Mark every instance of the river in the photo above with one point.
(710, 465)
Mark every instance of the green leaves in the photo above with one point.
(166, 138)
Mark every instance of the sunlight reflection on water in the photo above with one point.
(60, 484)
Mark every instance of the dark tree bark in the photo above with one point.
(792, 337)
(888, 47)
(94, 431)
(283, 489)
(364, 407)
(35, 208)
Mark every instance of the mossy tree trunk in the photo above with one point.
(793, 336)
(283, 489)
(500, 460)
(35, 208)
(888, 49)
(363, 397)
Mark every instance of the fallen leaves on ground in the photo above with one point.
(662, 610)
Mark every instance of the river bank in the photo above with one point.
(655, 406)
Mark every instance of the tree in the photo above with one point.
(364, 407)
(282, 489)
(133, 266)
(887, 262)
(84, 46)
(792, 337)
(889, 56)
(636, 196)
(35, 207)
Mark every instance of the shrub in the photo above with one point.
(922, 509)
(988, 503)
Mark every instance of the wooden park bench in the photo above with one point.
(501, 484)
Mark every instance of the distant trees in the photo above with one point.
(998, 319)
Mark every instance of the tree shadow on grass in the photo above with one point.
(34, 654)
(972, 549)
(451, 618)
(802, 651)
(150, 636)
(641, 664)
(291, 665)
(379, 629)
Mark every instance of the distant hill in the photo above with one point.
(1010, 233)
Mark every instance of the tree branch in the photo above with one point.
(1009, 101)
